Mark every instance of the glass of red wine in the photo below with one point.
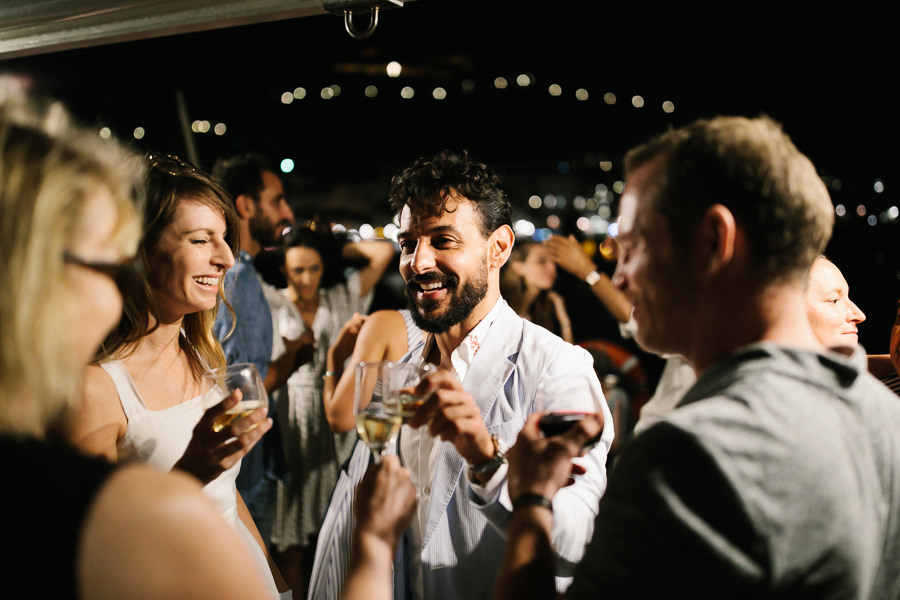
(563, 413)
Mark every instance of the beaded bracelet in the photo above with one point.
(529, 499)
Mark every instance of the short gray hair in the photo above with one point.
(753, 168)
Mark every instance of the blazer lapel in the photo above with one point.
(484, 379)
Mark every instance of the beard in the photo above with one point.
(262, 230)
(463, 300)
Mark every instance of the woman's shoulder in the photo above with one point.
(144, 512)
(384, 328)
(148, 491)
(98, 382)
(385, 317)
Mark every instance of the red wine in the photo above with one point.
(556, 423)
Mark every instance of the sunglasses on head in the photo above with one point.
(170, 164)
(124, 274)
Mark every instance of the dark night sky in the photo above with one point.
(829, 78)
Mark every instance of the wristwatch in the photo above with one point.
(592, 278)
(493, 463)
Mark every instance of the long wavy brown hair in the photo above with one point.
(169, 181)
(512, 288)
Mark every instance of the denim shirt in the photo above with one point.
(251, 341)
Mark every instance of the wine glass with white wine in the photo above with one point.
(243, 377)
(375, 426)
(400, 383)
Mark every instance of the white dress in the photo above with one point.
(314, 454)
(159, 438)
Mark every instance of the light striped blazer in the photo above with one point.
(463, 539)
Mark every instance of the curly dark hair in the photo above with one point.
(428, 183)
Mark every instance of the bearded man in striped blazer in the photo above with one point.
(455, 234)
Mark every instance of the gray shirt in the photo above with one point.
(778, 475)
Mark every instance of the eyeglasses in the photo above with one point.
(170, 164)
(126, 277)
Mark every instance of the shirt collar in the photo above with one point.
(461, 358)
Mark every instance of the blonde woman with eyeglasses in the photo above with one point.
(78, 527)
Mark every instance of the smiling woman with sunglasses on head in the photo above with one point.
(144, 396)
(80, 527)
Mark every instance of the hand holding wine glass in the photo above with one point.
(376, 426)
(559, 415)
(449, 413)
(242, 379)
(540, 465)
(385, 502)
(400, 381)
(228, 428)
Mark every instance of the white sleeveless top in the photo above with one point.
(159, 437)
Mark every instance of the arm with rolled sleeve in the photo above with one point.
(568, 382)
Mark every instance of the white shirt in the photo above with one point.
(419, 449)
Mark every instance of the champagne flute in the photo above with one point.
(377, 428)
(561, 413)
(243, 377)
(400, 381)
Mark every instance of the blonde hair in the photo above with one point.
(49, 169)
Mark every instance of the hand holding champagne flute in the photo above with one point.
(376, 426)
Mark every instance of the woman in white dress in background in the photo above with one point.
(143, 398)
(322, 297)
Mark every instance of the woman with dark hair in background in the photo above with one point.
(321, 299)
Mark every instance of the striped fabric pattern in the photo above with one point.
(462, 540)
(333, 546)
(893, 382)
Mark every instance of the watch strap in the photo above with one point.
(592, 278)
(493, 463)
